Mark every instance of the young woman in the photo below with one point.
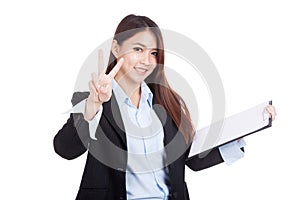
(136, 128)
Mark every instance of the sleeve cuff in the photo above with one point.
(232, 152)
(93, 123)
(78, 108)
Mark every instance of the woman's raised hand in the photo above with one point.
(100, 87)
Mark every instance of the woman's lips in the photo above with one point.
(141, 69)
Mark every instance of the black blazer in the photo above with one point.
(102, 182)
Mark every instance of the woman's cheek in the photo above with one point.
(134, 59)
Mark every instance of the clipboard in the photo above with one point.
(234, 127)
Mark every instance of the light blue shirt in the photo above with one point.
(146, 174)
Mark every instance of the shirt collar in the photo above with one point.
(146, 95)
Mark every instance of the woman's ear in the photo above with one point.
(115, 48)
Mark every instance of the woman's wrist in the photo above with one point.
(91, 109)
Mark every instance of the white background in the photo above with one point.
(255, 46)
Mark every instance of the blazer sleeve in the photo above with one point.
(72, 140)
(205, 160)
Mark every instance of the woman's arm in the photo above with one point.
(71, 142)
(205, 160)
(211, 158)
(72, 139)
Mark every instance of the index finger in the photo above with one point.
(116, 68)
(100, 62)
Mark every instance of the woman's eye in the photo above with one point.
(138, 49)
(155, 53)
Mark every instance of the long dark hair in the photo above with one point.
(163, 94)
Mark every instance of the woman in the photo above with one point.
(136, 128)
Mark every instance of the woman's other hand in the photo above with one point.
(271, 110)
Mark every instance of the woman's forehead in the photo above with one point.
(145, 39)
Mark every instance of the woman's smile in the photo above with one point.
(141, 70)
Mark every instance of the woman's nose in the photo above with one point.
(145, 59)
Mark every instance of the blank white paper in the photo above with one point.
(234, 127)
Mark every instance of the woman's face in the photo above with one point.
(140, 57)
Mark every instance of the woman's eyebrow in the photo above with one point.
(143, 45)
(140, 44)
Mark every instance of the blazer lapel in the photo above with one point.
(168, 125)
(174, 142)
(112, 113)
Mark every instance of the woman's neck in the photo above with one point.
(131, 89)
